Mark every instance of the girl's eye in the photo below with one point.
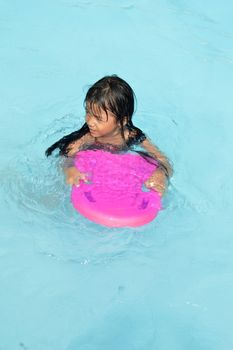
(97, 118)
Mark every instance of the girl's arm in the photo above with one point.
(73, 175)
(163, 161)
(159, 178)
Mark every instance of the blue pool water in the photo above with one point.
(67, 283)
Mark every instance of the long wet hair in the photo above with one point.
(113, 94)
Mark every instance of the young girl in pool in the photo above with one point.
(109, 107)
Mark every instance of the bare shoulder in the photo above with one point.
(130, 134)
(77, 145)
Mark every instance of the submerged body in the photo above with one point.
(105, 132)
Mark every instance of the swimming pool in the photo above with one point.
(67, 283)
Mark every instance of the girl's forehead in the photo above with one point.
(97, 110)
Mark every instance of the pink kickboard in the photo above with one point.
(114, 197)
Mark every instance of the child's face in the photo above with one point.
(102, 124)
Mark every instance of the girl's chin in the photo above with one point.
(93, 133)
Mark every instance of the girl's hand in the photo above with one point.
(157, 182)
(74, 176)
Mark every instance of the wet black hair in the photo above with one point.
(111, 93)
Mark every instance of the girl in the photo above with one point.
(109, 107)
